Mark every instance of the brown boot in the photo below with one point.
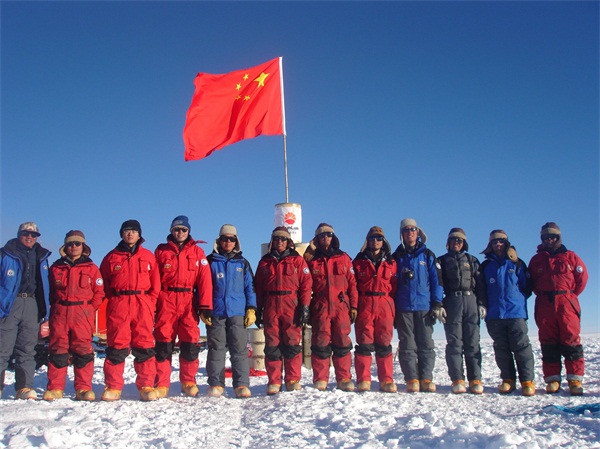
(528, 388)
(51, 395)
(85, 395)
(148, 394)
(507, 386)
(575, 388)
(190, 389)
(110, 394)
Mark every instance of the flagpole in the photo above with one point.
(285, 171)
(285, 167)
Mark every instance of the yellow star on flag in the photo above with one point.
(261, 79)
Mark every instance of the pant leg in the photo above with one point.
(217, 348)
(471, 337)
(569, 324)
(546, 318)
(425, 344)
(521, 348)
(27, 338)
(453, 329)
(500, 331)
(237, 342)
(320, 345)
(405, 323)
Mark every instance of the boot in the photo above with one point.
(507, 386)
(427, 386)
(553, 387)
(214, 392)
(161, 392)
(26, 393)
(412, 386)
(345, 385)
(459, 387)
(476, 387)
(148, 394)
(273, 389)
(189, 389)
(388, 386)
(242, 392)
(528, 388)
(320, 385)
(364, 385)
(51, 395)
(575, 388)
(293, 385)
(110, 394)
(85, 395)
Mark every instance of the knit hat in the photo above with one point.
(181, 221)
(309, 254)
(552, 229)
(281, 231)
(228, 229)
(376, 230)
(29, 226)
(458, 233)
(412, 222)
(131, 225)
(75, 236)
(511, 252)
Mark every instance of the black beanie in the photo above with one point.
(131, 224)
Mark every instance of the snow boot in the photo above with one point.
(575, 388)
(273, 389)
(242, 392)
(507, 386)
(26, 393)
(412, 386)
(553, 387)
(110, 394)
(190, 389)
(345, 385)
(427, 386)
(293, 385)
(320, 385)
(388, 386)
(148, 394)
(528, 388)
(51, 395)
(364, 385)
(162, 392)
(459, 387)
(214, 392)
(475, 387)
(85, 395)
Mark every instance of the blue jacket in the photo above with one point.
(10, 279)
(233, 285)
(507, 287)
(419, 279)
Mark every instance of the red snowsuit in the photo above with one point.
(374, 327)
(132, 284)
(557, 281)
(186, 288)
(76, 291)
(283, 285)
(334, 294)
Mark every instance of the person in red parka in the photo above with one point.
(186, 292)
(558, 276)
(76, 291)
(132, 284)
(333, 308)
(376, 281)
(283, 288)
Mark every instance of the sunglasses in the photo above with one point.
(225, 239)
(70, 244)
(279, 239)
(456, 240)
(410, 229)
(325, 234)
(29, 234)
(549, 237)
(378, 238)
(498, 241)
(180, 229)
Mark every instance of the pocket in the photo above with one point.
(192, 263)
(84, 281)
(339, 268)
(289, 269)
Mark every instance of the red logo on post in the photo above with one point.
(289, 218)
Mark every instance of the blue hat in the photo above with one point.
(181, 220)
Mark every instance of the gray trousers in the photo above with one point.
(227, 334)
(511, 344)
(462, 337)
(416, 347)
(18, 336)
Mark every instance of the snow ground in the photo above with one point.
(310, 418)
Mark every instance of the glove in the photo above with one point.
(482, 312)
(206, 316)
(353, 315)
(250, 317)
(304, 316)
(259, 318)
(438, 313)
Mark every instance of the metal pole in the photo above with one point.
(285, 167)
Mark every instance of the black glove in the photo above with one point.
(259, 318)
(304, 316)
(437, 312)
(206, 316)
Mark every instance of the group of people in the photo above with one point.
(156, 300)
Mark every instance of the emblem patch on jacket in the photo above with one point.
(99, 281)
(306, 270)
(220, 275)
(204, 262)
(10, 273)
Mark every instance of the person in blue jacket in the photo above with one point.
(418, 304)
(24, 304)
(505, 288)
(234, 310)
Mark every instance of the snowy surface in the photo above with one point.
(310, 418)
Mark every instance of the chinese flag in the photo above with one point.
(235, 106)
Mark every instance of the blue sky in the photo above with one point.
(481, 115)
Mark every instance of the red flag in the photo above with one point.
(234, 106)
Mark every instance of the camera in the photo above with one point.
(407, 274)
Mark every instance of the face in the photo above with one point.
(499, 247)
(28, 238)
(456, 244)
(375, 242)
(549, 240)
(180, 234)
(324, 239)
(130, 236)
(227, 242)
(410, 234)
(74, 250)
(279, 244)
